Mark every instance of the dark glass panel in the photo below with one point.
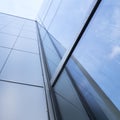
(68, 100)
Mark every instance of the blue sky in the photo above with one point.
(23, 8)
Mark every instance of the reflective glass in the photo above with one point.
(51, 13)
(28, 34)
(7, 40)
(15, 24)
(23, 67)
(7, 18)
(61, 26)
(30, 24)
(69, 112)
(99, 49)
(51, 54)
(4, 19)
(44, 9)
(98, 53)
(95, 103)
(3, 55)
(10, 30)
(65, 19)
(11, 24)
(60, 48)
(20, 102)
(31, 29)
(26, 45)
(1, 26)
(68, 100)
(42, 32)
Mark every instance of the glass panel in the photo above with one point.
(51, 12)
(60, 48)
(99, 49)
(26, 44)
(10, 30)
(11, 25)
(68, 99)
(44, 9)
(4, 19)
(23, 67)
(52, 56)
(29, 28)
(21, 102)
(15, 24)
(61, 26)
(30, 24)
(87, 92)
(28, 34)
(7, 40)
(69, 111)
(3, 55)
(42, 31)
(66, 19)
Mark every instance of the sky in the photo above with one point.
(23, 8)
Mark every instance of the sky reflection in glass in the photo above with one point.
(99, 49)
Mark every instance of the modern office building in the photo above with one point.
(64, 65)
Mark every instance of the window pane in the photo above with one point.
(60, 28)
(23, 67)
(21, 102)
(26, 44)
(3, 56)
(66, 18)
(68, 101)
(7, 40)
(99, 49)
(51, 55)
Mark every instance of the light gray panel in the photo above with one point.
(20, 102)
(70, 112)
(1, 26)
(3, 55)
(27, 45)
(28, 34)
(7, 40)
(23, 67)
(31, 24)
(10, 30)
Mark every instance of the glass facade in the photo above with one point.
(51, 55)
(65, 65)
(22, 93)
(82, 77)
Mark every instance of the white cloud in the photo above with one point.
(115, 52)
(23, 8)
